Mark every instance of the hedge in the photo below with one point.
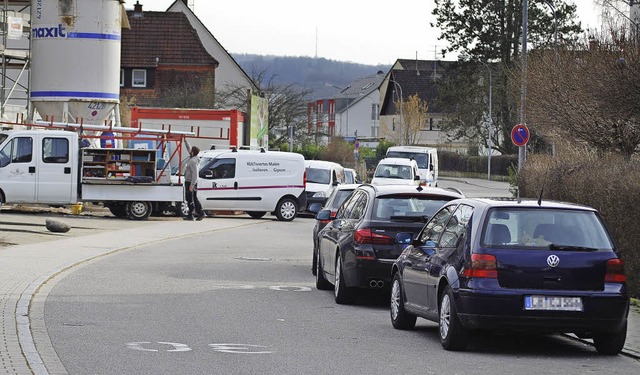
(609, 184)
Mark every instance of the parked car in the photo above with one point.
(426, 157)
(351, 176)
(396, 171)
(340, 193)
(357, 248)
(322, 178)
(494, 265)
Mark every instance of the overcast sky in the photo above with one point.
(367, 32)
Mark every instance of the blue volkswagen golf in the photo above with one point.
(514, 266)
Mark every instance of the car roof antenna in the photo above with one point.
(540, 197)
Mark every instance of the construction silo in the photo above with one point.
(75, 65)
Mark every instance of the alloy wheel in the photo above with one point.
(445, 316)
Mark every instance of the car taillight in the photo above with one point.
(333, 214)
(615, 272)
(482, 266)
(304, 180)
(365, 236)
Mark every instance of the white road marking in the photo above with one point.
(138, 346)
(239, 348)
(290, 288)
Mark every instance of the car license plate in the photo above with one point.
(552, 303)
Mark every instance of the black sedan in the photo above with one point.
(358, 247)
(537, 266)
(339, 195)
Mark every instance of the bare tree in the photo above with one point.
(414, 117)
(589, 95)
(287, 106)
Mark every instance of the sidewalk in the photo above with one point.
(25, 268)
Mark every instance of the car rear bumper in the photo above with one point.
(601, 312)
(368, 274)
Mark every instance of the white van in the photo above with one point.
(396, 171)
(426, 157)
(322, 177)
(253, 181)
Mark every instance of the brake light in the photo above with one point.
(333, 214)
(304, 180)
(365, 236)
(482, 266)
(615, 272)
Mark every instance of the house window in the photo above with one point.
(139, 78)
(121, 77)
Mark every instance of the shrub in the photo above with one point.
(606, 183)
(452, 161)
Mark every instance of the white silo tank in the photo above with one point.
(75, 65)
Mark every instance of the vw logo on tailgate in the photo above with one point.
(553, 260)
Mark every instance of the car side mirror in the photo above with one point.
(416, 177)
(206, 174)
(404, 238)
(315, 207)
(324, 215)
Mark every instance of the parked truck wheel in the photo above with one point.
(138, 210)
(256, 214)
(118, 210)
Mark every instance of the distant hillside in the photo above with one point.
(307, 72)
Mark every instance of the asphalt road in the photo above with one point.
(242, 301)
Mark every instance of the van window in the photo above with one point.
(421, 158)
(219, 168)
(318, 176)
(18, 150)
(55, 150)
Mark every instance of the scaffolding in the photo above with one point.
(15, 57)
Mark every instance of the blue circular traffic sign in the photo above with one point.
(520, 135)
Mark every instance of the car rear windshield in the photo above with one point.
(558, 229)
(318, 176)
(384, 207)
(402, 172)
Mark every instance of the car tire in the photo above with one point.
(182, 209)
(138, 210)
(314, 262)
(321, 282)
(257, 214)
(453, 336)
(343, 294)
(400, 318)
(610, 343)
(287, 209)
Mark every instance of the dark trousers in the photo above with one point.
(192, 200)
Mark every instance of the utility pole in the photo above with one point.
(523, 87)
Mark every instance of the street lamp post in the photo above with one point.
(489, 143)
(555, 28)
(397, 85)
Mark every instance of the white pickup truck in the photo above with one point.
(50, 167)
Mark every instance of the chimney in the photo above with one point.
(137, 9)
